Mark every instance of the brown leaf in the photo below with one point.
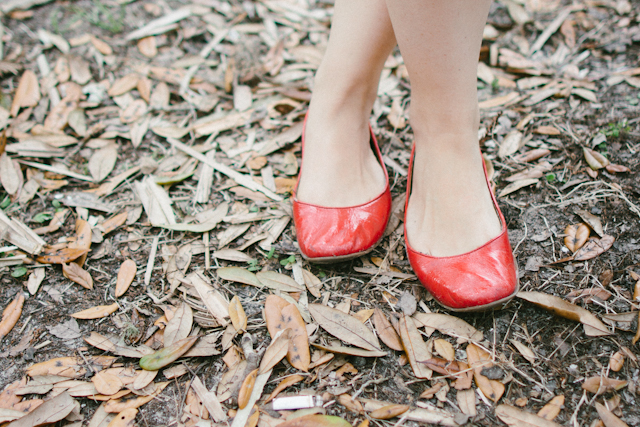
(125, 418)
(288, 381)
(313, 283)
(127, 402)
(387, 334)
(71, 367)
(616, 362)
(179, 326)
(212, 299)
(246, 389)
(593, 248)
(106, 383)
(240, 275)
(49, 412)
(237, 315)
(102, 162)
(351, 404)
(10, 174)
(515, 417)
(552, 409)
(83, 239)
(478, 358)
(389, 411)
(11, 314)
(567, 310)
(594, 159)
(316, 421)
(27, 93)
(114, 222)
(601, 385)
(96, 312)
(133, 112)
(147, 46)
(612, 168)
(414, 347)
(8, 397)
(576, 236)
(277, 281)
(525, 351)
(444, 349)
(76, 274)
(276, 351)
(345, 327)
(449, 325)
(62, 256)
(442, 366)
(352, 351)
(281, 315)
(467, 402)
(124, 84)
(608, 418)
(592, 221)
(126, 275)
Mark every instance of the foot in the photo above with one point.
(450, 211)
(339, 167)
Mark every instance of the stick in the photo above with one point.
(57, 170)
(241, 179)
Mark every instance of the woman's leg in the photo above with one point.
(450, 210)
(340, 169)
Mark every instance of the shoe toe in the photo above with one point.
(472, 280)
(335, 232)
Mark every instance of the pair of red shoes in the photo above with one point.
(478, 280)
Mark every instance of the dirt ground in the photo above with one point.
(536, 215)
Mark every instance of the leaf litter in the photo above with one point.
(165, 152)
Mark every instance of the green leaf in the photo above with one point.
(19, 272)
(289, 260)
(6, 202)
(42, 217)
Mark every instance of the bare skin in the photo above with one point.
(450, 211)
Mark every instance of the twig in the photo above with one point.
(366, 384)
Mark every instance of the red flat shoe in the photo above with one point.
(327, 234)
(478, 280)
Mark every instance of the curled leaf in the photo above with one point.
(167, 355)
(594, 159)
(567, 310)
(616, 362)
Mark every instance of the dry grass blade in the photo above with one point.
(345, 327)
(518, 418)
(11, 314)
(415, 348)
(567, 310)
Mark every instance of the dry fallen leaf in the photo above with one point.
(11, 314)
(278, 281)
(478, 358)
(49, 412)
(449, 325)
(594, 159)
(75, 273)
(345, 327)
(601, 385)
(71, 367)
(552, 409)
(126, 275)
(281, 315)
(525, 351)
(96, 312)
(27, 94)
(276, 351)
(350, 403)
(593, 248)
(240, 275)
(616, 362)
(106, 383)
(179, 326)
(388, 412)
(467, 402)
(518, 418)
(415, 348)
(167, 355)
(316, 421)
(576, 236)
(608, 418)
(288, 381)
(123, 403)
(565, 309)
(386, 332)
(444, 349)
(237, 315)
(125, 418)
(246, 389)
(102, 162)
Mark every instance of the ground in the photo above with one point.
(580, 89)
